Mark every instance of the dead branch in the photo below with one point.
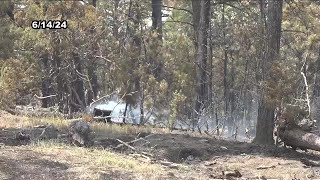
(44, 97)
(126, 144)
(306, 84)
(266, 167)
(307, 92)
(134, 141)
(78, 98)
(176, 8)
(169, 164)
(140, 155)
(98, 101)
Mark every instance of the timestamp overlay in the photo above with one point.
(49, 24)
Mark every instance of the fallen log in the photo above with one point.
(294, 136)
(309, 162)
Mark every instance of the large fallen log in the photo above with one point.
(294, 136)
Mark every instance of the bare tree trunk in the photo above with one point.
(201, 24)
(265, 120)
(232, 98)
(46, 85)
(115, 27)
(155, 59)
(92, 68)
(125, 114)
(217, 123)
(226, 84)
(142, 118)
(94, 3)
(59, 79)
(77, 86)
(315, 110)
(210, 72)
(93, 80)
(134, 82)
(157, 17)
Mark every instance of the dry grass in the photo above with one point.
(52, 159)
(94, 158)
(90, 163)
(11, 121)
(114, 129)
(101, 129)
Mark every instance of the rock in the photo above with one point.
(80, 133)
(229, 174)
(210, 163)
(171, 174)
(190, 158)
(224, 148)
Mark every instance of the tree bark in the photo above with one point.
(77, 95)
(46, 84)
(315, 109)
(201, 14)
(59, 79)
(295, 137)
(265, 120)
(94, 3)
(92, 68)
(133, 85)
(93, 80)
(157, 17)
(157, 65)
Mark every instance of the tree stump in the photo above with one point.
(80, 133)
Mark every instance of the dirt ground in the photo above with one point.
(151, 156)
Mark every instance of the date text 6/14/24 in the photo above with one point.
(50, 24)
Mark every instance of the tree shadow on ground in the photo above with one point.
(31, 166)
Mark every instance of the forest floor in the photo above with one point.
(149, 154)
